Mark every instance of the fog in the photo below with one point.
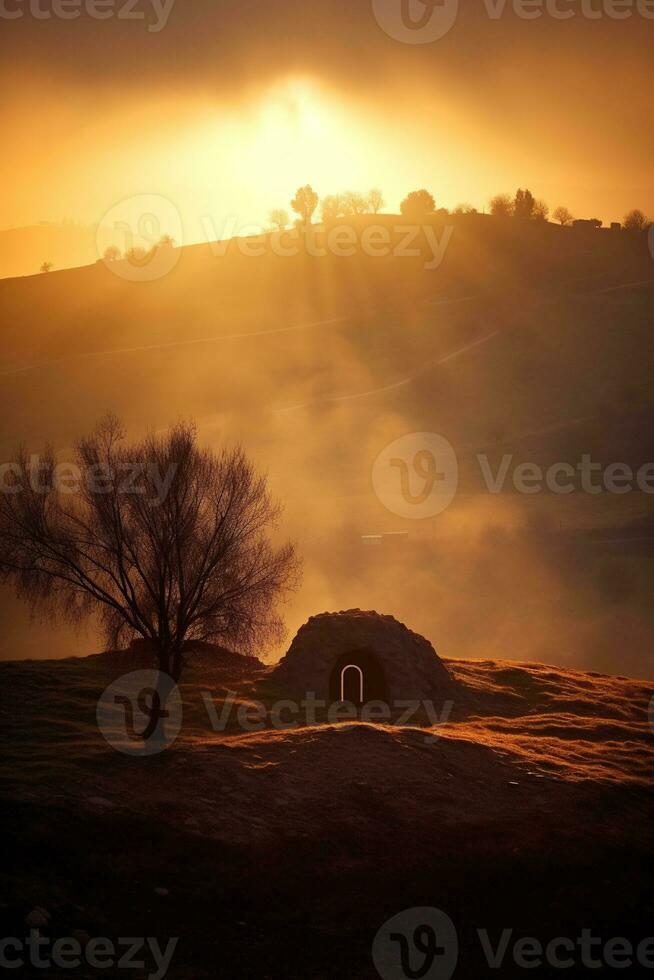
(315, 366)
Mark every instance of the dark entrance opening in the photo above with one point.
(357, 677)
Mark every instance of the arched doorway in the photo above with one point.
(357, 677)
(351, 684)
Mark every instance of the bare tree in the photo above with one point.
(165, 540)
(305, 203)
(332, 207)
(45, 267)
(540, 211)
(523, 204)
(279, 219)
(563, 216)
(375, 200)
(501, 206)
(635, 221)
(354, 202)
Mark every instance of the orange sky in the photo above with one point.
(227, 108)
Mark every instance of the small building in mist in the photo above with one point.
(358, 657)
(587, 224)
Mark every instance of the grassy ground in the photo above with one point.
(282, 853)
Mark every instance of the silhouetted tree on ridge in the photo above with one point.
(635, 221)
(563, 216)
(334, 206)
(501, 206)
(331, 207)
(540, 211)
(375, 200)
(279, 219)
(418, 204)
(523, 205)
(354, 202)
(305, 203)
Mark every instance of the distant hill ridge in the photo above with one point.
(23, 250)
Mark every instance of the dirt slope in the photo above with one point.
(540, 777)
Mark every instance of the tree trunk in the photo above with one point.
(155, 729)
(176, 663)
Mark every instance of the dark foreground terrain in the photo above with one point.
(279, 854)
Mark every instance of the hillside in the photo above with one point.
(309, 838)
(24, 250)
(532, 343)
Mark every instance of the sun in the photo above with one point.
(236, 161)
(294, 110)
(298, 134)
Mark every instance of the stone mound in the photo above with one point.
(411, 667)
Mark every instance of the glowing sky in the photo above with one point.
(230, 107)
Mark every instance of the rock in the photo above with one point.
(392, 657)
(37, 918)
